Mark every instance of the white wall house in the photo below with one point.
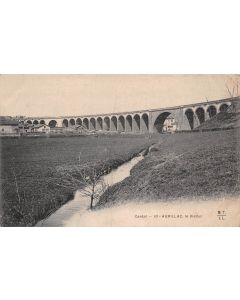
(170, 124)
(40, 128)
(8, 126)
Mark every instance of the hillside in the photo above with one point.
(187, 165)
(223, 120)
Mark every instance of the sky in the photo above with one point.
(66, 95)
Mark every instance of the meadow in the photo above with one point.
(32, 170)
(194, 165)
(183, 165)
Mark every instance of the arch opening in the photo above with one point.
(128, 123)
(200, 114)
(121, 124)
(52, 123)
(136, 123)
(29, 121)
(42, 122)
(106, 123)
(190, 116)
(92, 124)
(212, 111)
(114, 123)
(99, 125)
(65, 123)
(144, 123)
(72, 122)
(159, 122)
(35, 122)
(78, 121)
(223, 107)
(86, 123)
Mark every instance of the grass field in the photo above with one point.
(183, 165)
(33, 168)
(199, 165)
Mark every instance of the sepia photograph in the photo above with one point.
(119, 150)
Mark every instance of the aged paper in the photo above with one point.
(120, 150)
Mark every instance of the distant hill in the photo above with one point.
(224, 120)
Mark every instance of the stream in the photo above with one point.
(80, 203)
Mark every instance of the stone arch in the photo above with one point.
(114, 123)
(128, 123)
(72, 122)
(159, 122)
(144, 123)
(212, 111)
(121, 123)
(29, 121)
(86, 123)
(78, 121)
(190, 116)
(52, 123)
(92, 124)
(200, 113)
(99, 124)
(106, 123)
(65, 123)
(42, 122)
(136, 123)
(223, 107)
(35, 122)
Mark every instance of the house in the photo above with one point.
(8, 126)
(24, 128)
(169, 125)
(39, 128)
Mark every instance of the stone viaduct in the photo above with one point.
(187, 117)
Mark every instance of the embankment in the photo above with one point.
(187, 165)
(103, 168)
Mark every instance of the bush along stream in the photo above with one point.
(86, 197)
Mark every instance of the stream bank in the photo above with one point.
(80, 203)
(182, 166)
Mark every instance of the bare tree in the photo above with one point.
(234, 92)
(88, 180)
(93, 183)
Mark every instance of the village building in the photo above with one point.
(169, 125)
(39, 128)
(23, 128)
(8, 126)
